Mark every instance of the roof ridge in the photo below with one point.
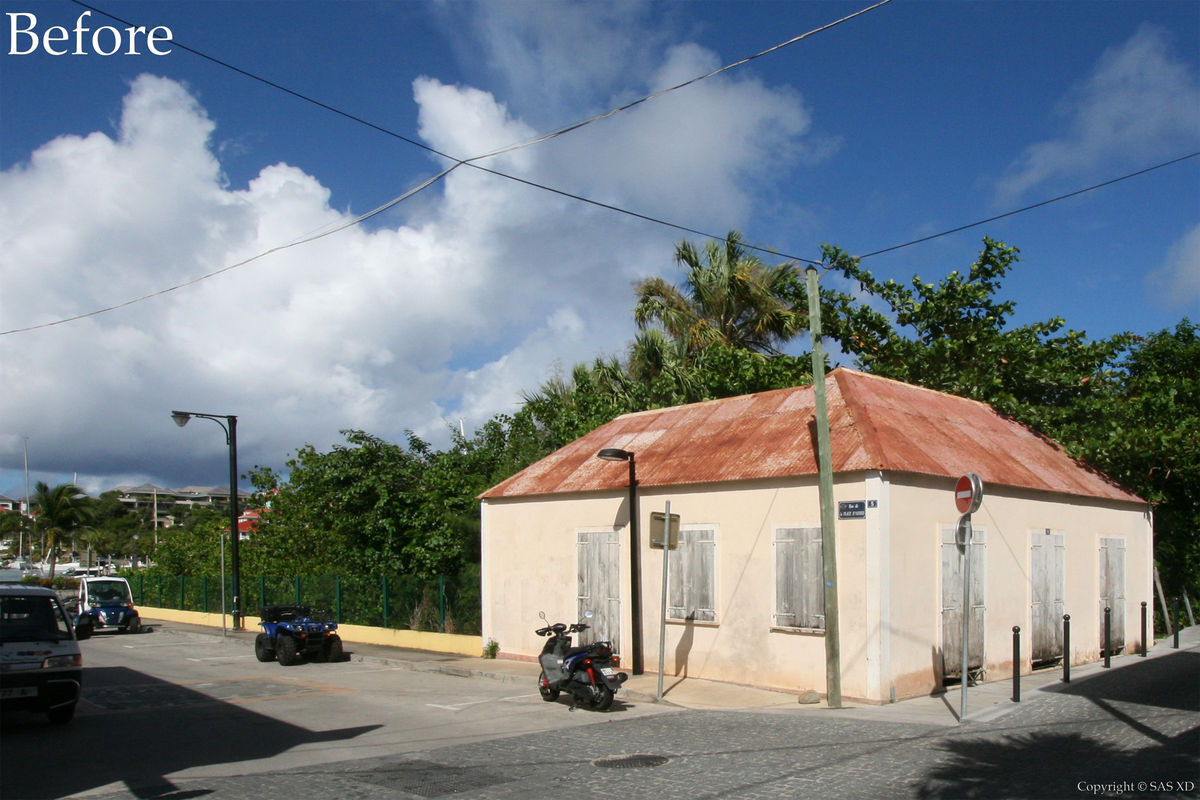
(860, 417)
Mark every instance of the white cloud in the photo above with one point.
(1177, 281)
(1139, 103)
(450, 314)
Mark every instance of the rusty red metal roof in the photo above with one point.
(875, 424)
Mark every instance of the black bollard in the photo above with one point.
(1143, 629)
(1016, 663)
(1175, 620)
(1066, 648)
(1107, 637)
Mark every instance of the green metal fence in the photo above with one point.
(445, 604)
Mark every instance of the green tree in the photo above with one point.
(60, 512)
(954, 336)
(1128, 406)
(194, 548)
(370, 507)
(1143, 429)
(729, 297)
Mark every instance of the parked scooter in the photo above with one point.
(587, 673)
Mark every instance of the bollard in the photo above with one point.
(1107, 637)
(1143, 629)
(1016, 663)
(1066, 648)
(1175, 620)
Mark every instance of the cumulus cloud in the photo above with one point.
(1138, 104)
(412, 325)
(1177, 281)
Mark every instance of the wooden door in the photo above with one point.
(1112, 590)
(599, 582)
(1047, 576)
(952, 601)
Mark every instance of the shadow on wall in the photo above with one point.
(683, 650)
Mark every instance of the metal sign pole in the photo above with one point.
(662, 624)
(965, 524)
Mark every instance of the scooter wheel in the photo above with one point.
(549, 694)
(603, 699)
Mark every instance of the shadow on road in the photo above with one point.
(137, 729)
(1049, 764)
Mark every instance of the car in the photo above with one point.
(106, 604)
(290, 634)
(41, 667)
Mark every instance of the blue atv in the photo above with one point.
(290, 635)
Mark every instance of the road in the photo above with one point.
(170, 717)
(161, 704)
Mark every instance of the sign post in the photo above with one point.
(664, 533)
(968, 494)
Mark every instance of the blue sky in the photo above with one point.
(124, 175)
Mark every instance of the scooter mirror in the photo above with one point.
(587, 615)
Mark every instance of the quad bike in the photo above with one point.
(290, 635)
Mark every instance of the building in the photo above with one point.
(161, 503)
(745, 599)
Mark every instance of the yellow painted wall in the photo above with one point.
(360, 634)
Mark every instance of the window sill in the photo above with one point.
(703, 623)
(799, 631)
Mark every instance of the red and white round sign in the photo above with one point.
(968, 493)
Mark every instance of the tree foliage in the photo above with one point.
(61, 510)
(1128, 405)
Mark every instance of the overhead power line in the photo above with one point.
(471, 162)
(1022, 210)
(457, 162)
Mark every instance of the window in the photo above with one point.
(692, 576)
(799, 579)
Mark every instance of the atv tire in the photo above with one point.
(286, 651)
(262, 648)
(333, 649)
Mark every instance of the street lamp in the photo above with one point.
(635, 569)
(230, 427)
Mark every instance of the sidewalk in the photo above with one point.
(985, 701)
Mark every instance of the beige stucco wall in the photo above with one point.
(889, 577)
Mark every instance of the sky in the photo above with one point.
(188, 183)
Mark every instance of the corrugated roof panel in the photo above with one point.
(875, 424)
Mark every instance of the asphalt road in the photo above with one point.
(169, 716)
(163, 708)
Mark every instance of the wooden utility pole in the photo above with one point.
(833, 657)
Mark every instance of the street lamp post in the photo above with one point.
(230, 427)
(635, 568)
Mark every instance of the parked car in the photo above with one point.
(41, 668)
(106, 604)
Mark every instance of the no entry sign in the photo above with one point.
(968, 493)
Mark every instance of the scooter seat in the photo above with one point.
(574, 651)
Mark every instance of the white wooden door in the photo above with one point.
(599, 570)
(952, 601)
(1112, 590)
(1047, 575)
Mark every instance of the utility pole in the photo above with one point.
(833, 657)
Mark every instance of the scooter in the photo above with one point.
(587, 673)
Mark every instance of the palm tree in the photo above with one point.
(729, 297)
(60, 511)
